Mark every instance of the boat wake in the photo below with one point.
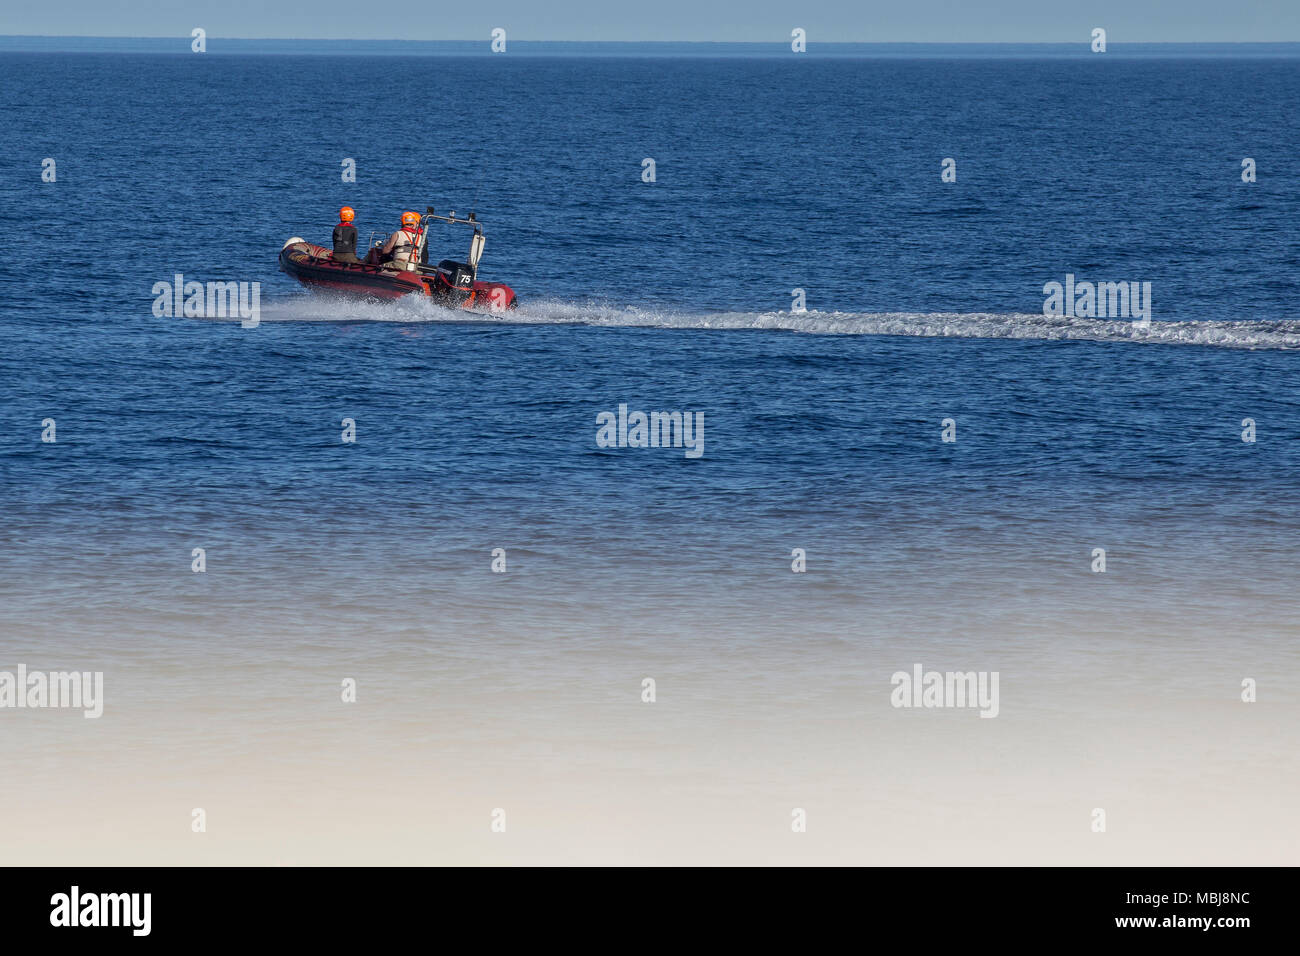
(1249, 334)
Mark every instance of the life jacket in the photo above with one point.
(404, 250)
(345, 239)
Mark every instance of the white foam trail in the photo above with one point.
(1250, 334)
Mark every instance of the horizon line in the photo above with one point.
(775, 42)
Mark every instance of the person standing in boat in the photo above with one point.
(404, 244)
(345, 237)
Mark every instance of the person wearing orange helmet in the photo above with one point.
(345, 237)
(404, 245)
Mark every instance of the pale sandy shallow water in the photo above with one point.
(486, 691)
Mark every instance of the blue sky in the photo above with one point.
(932, 21)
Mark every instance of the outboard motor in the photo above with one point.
(453, 281)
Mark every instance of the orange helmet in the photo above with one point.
(410, 219)
(347, 214)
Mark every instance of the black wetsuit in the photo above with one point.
(345, 242)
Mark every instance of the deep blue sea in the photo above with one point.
(823, 431)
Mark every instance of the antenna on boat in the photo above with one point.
(478, 191)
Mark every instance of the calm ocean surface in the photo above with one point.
(822, 431)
